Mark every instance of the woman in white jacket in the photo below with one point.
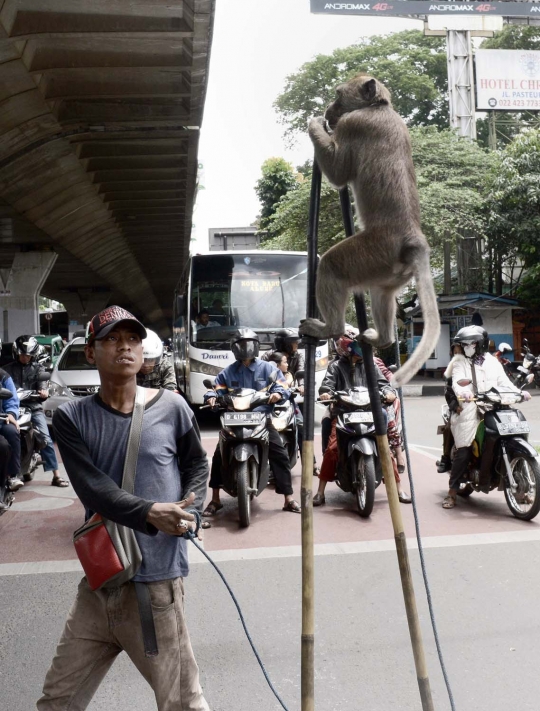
(488, 373)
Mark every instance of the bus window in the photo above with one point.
(261, 291)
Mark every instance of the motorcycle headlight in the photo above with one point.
(321, 364)
(279, 423)
(197, 366)
(57, 389)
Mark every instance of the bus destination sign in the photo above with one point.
(424, 7)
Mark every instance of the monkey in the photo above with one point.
(369, 149)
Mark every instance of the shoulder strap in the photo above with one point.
(473, 371)
(134, 440)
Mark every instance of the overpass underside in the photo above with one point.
(100, 108)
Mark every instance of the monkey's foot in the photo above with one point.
(314, 327)
(371, 336)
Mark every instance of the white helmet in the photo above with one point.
(505, 348)
(152, 347)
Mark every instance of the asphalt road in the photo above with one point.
(483, 566)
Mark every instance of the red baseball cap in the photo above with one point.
(104, 322)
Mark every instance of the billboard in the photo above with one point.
(507, 80)
(424, 7)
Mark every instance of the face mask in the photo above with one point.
(470, 351)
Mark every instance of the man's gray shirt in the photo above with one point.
(92, 438)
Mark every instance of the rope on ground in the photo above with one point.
(191, 537)
(420, 546)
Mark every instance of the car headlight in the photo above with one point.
(197, 366)
(321, 364)
(57, 389)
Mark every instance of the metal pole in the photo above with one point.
(390, 483)
(308, 562)
(461, 82)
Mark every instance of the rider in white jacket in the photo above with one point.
(488, 373)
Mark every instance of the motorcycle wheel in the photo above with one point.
(525, 502)
(31, 471)
(244, 497)
(365, 485)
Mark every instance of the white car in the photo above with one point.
(72, 376)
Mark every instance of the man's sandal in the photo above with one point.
(212, 509)
(293, 506)
(58, 481)
(449, 502)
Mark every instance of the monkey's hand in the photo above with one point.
(317, 124)
(317, 329)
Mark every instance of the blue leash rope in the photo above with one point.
(192, 536)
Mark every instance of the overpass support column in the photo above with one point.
(20, 287)
(81, 305)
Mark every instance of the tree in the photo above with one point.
(278, 178)
(412, 66)
(513, 213)
(449, 171)
(514, 37)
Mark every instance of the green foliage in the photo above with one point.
(513, 200)
(278, 178)
(450, 172)
(412, 66)
(514, 37)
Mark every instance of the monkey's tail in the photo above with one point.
(432, 326)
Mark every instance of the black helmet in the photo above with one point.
(245, 344)
(284, 338)
(25, 345)
(472, 334)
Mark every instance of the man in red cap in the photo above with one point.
(92, 436)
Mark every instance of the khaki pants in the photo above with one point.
(103, 623)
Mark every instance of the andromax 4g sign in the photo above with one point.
(424, 7)
(507, 79)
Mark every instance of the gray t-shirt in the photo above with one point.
(92, 438)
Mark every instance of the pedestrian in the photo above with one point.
(92, 437)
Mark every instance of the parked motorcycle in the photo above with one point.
(503, 459)
(244, 446)
(358, 469)
(530, 366)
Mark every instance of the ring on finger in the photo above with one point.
(182, 524)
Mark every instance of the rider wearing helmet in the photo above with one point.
(157, 370)
(476, 371)
(249, 371)
(27, 373)
(501, 350)
(286, 341)
(344, 373)
(10, 442)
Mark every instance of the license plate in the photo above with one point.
(508, 428)
(355, 417)
(242, 418)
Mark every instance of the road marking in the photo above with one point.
(321, 549)
(418, 448)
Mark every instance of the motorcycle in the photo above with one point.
(531, 365)
(244, 446)
(6, 496)
(358, 469)
(503, 459)
(32, 441)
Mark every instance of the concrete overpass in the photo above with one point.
(100, 107)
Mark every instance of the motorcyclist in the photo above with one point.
(501, 350)
(476, 371)
(286, 341)
(157, 370)
(10, 441)
(344, 373)
(28, 374)
(249, 371)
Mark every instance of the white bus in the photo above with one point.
(262, 290)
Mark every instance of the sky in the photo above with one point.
(256, 45)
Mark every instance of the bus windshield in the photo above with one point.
(261, 291)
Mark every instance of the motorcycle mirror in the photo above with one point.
(464, 383)
(299, 375)
(392, 368)
(5, 394)
(208, 384)
(45, 376)
(525, 342)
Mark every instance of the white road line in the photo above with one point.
(322, 549)
(418, 448)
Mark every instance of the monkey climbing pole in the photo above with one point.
(307, 667)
